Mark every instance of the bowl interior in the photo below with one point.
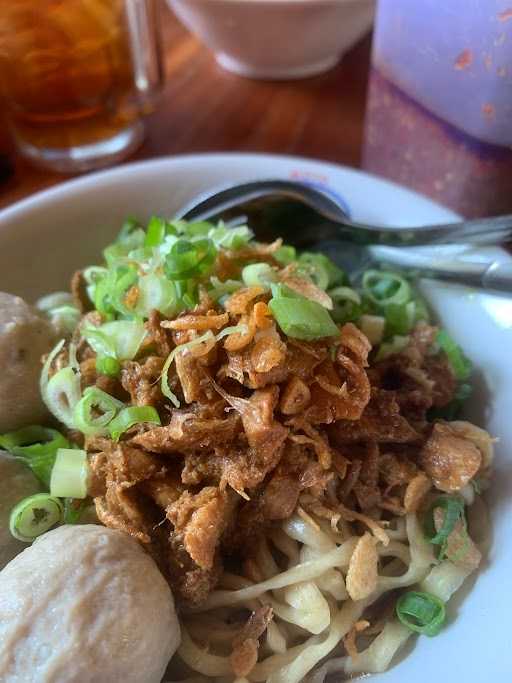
(46, 237)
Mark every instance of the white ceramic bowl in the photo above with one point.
(277, 39)
(44, 238)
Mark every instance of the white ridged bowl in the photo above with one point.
(277, 39)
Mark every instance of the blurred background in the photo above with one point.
(86, 84)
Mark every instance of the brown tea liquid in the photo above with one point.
(66, 76)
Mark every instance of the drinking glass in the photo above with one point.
(76, 78)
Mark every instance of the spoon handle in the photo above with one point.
(494, 276)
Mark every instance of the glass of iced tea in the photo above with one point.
(76, 78)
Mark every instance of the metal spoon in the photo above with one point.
(303, 216)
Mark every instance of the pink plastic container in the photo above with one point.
(439, 115)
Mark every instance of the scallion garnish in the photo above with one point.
(399, 318)
(461, 365)
(384, 288)
(156, 292)
(34, 516)
(106, 365)
(95, 410)
(224, 288)
(452, 508)
(373, 327)
(36, 447)
(155, 232)
(421, 612)
(70, 474)
(301, 318)
(60, 310)
(258, 274)
(120, 339)
(229, 238)
(321, 270)
(74, 509)
(285, 254)
(189, 259)
(128, 417)
(389, 348)
(61, 392)
(346, 305)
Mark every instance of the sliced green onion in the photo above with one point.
(258, 274)
(120, 249)
(54, 300)
(72, 357)
(384, 288)
(74, 509)
(421, 612)
(164, 378)
(129, 227)
(400, 318)
(61, 392)
(120, 339)
(461, 365)
(70, 474)
(36, 447)
(34, 516)
(65, 318)
(453, 508)
(155, 232)
(285, 254)
(188, 259)
(232, 329)
(314, 271)
(280, 290)
(158, 293)
(94, 401)
(230, 238)
(346, 305)
(301, 318)
(342, 294)
(93, 274)
(321, 269)
(199, 229)
(390, 348)
(120, 280)
(421, 311)
(59, 308)
(106, 365)
(132, 416)
(221, 289)
(373, 327)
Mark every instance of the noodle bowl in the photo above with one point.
(306, 493)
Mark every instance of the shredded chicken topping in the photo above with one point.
(269, 425)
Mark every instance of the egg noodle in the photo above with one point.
(312, 609)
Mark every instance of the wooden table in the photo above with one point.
(205, 109)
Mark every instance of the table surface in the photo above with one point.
(206, 109)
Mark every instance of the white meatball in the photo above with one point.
(85, 604)
(24, 338)
(16, 482)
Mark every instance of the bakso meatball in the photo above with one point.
(24, 338)
(16, 482)
(85, 604)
